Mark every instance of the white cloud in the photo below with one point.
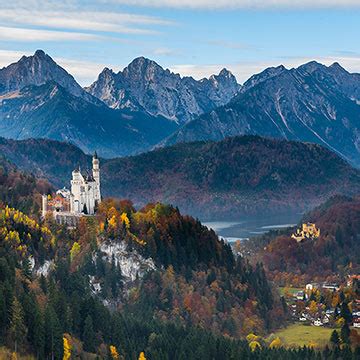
(241, 4)
(24, 34)
(83, 20)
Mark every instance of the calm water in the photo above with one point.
(249, 227)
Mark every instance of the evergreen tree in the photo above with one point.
(17, 326)
(345, 312)
(89, 335)
(345, 334)
(53, 334)
(334, 339)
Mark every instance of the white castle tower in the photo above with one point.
(83, 197)
(96, 176)
(85, 190)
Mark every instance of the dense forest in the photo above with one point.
(335, 253)
(225, 179)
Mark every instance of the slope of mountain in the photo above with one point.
(39, 99)
(144, 85)
(311, 103)
(20, 189)
(231, 178)
(49, 111)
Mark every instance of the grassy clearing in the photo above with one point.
(299, 335)
(290, 290)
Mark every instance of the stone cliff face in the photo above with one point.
(144, 85)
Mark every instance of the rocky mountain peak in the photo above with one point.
(145, 84)
(263, 76)
(39, 69)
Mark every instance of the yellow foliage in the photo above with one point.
(125, 220)
(114, 353)
(254, 345)
(74, 250)
(276, 343)
(313, 307)
(142, 356)
(313, 344)
(112, 221)
(67, 349)
(340, 322)
(252, 337)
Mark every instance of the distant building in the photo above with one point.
(83, 198)
(307, 231)
(351, 279)
(331, 286)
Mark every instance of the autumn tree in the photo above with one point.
(67, 349)
(114, 353)
(142, 356)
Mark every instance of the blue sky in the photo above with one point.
(192, 37)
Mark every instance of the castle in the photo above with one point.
(308, 231)
(83, 198)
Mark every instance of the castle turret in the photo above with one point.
(96, 175)
(44, 205)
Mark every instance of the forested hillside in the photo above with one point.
(129, 281)
(336, 252)
(226, 179)
(20, 189)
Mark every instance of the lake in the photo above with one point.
(253, 226)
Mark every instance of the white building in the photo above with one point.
(82, 199)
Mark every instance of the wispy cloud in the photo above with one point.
(164, 51)
(241, 4)
(116, 22)
(25, 34)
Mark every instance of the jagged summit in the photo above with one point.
(39, 69)
(145, 85)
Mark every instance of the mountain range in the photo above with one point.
(145, 106)
(240, 176)
(145, 85)
(311, 103)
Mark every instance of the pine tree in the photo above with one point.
(17, 327)
(345, 334)
(334, 339)
(53, 334)
(89, 335)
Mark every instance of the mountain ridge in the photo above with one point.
(145, 85)
(310, 103)
(245, 175)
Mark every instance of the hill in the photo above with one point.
(20, 189)
(336, 251)
(311, 103)
(226, 179)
